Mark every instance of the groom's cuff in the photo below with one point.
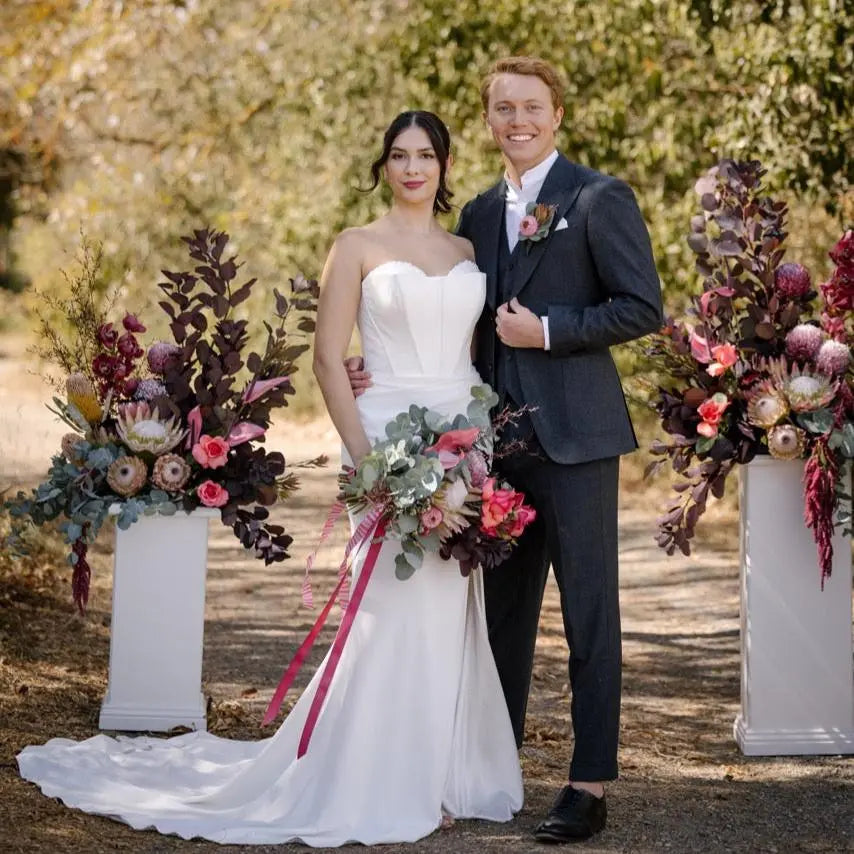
(545, 322)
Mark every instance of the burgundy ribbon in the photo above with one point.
(341, 638)
(371, 524)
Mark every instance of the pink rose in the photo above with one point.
(725, 356)
(212, 494)
(211, 452)
(523, 517)
(529, 226)
(431, 518)
(107, 335)
(495, 505)
(132, 324)
(712, 410)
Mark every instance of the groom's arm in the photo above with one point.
(463, 227)
(622, 254)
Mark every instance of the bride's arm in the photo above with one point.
(340, 291)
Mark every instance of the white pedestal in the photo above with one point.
(797, 668)
(157, 625)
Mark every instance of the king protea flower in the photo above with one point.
(766, 406)
(142, 429)
(81, 394)
(805, 390)
(126, 476)
(786, 442)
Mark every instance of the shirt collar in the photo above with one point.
(533, 179)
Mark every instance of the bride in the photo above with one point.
(415, 726)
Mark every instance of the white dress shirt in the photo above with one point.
(517, 199)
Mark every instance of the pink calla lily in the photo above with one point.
(260, 387)
(243, 431)
(456, 441)
(700, 348)
(194, 422)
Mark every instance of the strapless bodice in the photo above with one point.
(418, 326)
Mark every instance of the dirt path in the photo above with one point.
(684, 785)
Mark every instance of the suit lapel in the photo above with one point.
(561, 188)
(490, 218)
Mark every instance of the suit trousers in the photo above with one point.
(576, 532)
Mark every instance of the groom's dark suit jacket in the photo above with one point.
(595, 280)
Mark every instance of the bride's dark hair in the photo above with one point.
(440, 139)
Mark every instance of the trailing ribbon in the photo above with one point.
(341, 638)
(361, 535)
(334, 512)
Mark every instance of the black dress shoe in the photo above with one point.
(576, 815)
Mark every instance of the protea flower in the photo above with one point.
(803, 342)
(141, 429)
(126, 476)
(766, 406)
(450, 499)
(478, 469)
(786, 442)
(792, 281)
(81, 393)
(805, 390)
(833, 358)
(170, 473)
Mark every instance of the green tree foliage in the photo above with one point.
(261, 118)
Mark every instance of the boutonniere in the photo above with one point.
(536, 223)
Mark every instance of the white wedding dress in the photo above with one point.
(415, 723)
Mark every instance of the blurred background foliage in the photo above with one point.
(138, 121)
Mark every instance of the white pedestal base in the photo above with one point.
(157, 628)
(797, 667)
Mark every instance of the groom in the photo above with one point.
(555, 304)
(554, 307)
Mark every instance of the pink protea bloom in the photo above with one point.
(792, 281)
(478, 468)
(431, 518)
(212, 494)
(725, 356)
(529, 226)
(160, 354)
(803, 342)
(833, 358)
(211, 452)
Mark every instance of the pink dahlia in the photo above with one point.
(792, 281)
(833, 358)
(803, 342)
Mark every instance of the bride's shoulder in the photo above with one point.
(463, 245)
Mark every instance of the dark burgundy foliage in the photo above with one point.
(200, 304)
(473, 549)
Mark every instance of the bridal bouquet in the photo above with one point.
(763, 365)
(172, 425)
(428, 485)
(429, 480)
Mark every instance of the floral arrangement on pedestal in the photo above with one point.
(763, 365)
(175, 425)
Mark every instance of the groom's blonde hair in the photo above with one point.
(531, 65)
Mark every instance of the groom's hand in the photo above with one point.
(360, 379)
(518, 326)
